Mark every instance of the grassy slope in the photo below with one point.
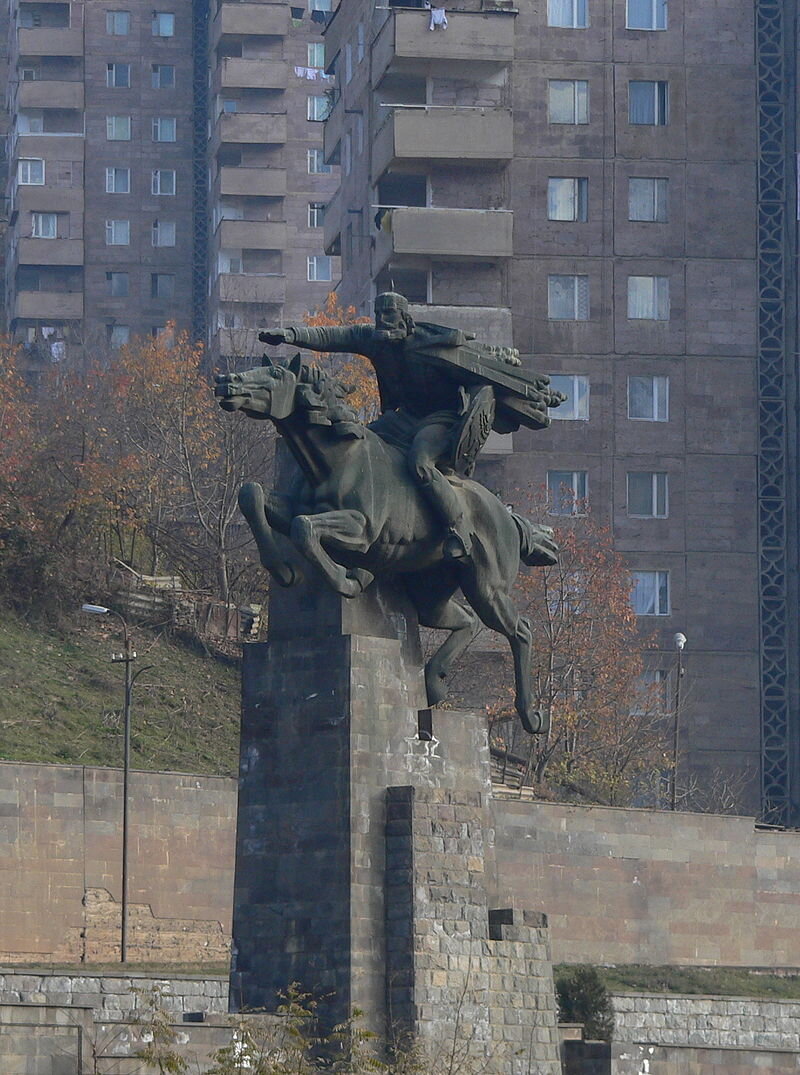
(61, 699)
(713, 981)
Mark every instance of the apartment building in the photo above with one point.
(165, 166)
(607, 184)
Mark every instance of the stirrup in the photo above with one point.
(456, 546)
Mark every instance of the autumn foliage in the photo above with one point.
(609, 736)
(354, 371)
(128, 459)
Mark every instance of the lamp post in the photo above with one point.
(680, 641)
(127, 657)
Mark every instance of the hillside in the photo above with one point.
(61, 699)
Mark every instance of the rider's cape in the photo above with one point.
(521, 398)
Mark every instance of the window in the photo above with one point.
(576, 389)
(319, 5)
(44, 225)
(162, 285)
(317, 108)
(646, 15)
(652, 692)
(568, 298)
(648, 103)
(117, 283)
(316, 213)
(230, 261)
(118, 180)
(361, 42)
(568, 101)
(118, 23)
(571, 13)
(163, 181)
(118, 335)
(566, 491)
(348, 62)
(648, 298)
(118, 128)
(647, 199)
(316, 55)
(230, 105)
(567, 199)
(163, 24)
(118, 232)
(319, 267)
(347, 153)
(165, 128)
(316, 163)
(31, 121)
(163, 233)
(30, 172)
(648, 398)
(29, 74)
(359, 134)
(647, 494)
(162, 76)
(118, 75)
(650, 595)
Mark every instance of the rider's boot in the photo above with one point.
(447, 505)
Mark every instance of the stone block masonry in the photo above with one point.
(474, 985)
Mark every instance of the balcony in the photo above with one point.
(44, 93)
(251, 235)
(49, 198)
(49, 305)
(332, 131)
(49, 41)
(250, 288)
(237, 343)
(484, 234)
(237, 74)
(50, 252)
(247, 20)
(428, 132)
(474, 45)
(249, 128)
(252, 182)
(332, 224)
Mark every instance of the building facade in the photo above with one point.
(610, 183)
(148, 158)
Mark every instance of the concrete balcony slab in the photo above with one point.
(428, 132)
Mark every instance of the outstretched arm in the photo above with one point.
(340, 338)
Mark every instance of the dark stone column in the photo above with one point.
(331, 712)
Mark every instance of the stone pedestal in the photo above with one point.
(364, 847)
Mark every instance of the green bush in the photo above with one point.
(583, 998)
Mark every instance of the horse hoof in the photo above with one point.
(535, 723)
(361, 577)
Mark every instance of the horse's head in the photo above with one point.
(267, 391)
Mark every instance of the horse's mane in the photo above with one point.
(321, 395)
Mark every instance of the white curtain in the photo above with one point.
(561, 201)
(642, 102)
(560, 12)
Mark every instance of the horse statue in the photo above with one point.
(354, 513)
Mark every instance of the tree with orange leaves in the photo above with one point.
(354, 371)
(609, 733)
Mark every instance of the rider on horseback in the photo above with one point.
(425, 411)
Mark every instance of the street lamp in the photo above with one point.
(127, 657)
(680, 641)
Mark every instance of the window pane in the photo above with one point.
(650, 595)
(118, 180)
(640, 493)
(561, 101)
(163, 24)
(30, 172)
(648, 298)
(576, 389)
(118, 128)
(648, 398)
(316, 55)
(117, 284)
(566, 199)
(567, 491)
(163, 76)
(642, 102)
(118, 22)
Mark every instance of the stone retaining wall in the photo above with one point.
(114, 997)
(708, 1022)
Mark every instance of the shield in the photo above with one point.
(478, 407)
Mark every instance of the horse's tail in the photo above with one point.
(536, 545)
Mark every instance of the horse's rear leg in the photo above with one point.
(344, 530)
(498, 612)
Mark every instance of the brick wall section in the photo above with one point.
(60, 860)
(694, 889)
(470, 982)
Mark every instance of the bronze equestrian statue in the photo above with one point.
(394, 498)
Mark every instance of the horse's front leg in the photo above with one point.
(343, 529)
(252, 505)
